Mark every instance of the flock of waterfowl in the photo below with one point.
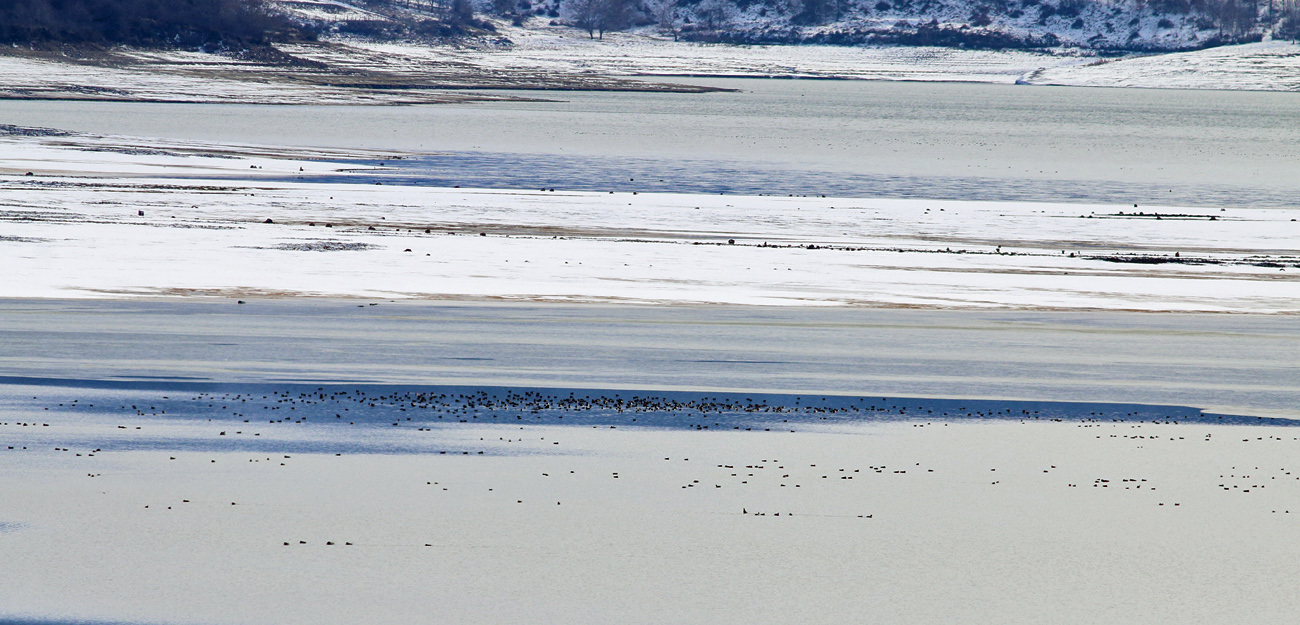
(227, 424)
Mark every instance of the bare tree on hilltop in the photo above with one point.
(668, 16)
(714, 15)
(598, 16)
(1288, 19)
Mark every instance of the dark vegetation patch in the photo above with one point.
(1151, 259)
(1146, 215)
(927, 34)
(171, 23)
(435, 409)
(321, 246)
(11, 130)
(942, 35)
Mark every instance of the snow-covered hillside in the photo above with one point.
(1101, 25)
(1094, 24)
(1267, 66)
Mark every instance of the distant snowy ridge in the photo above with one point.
(1099, 25)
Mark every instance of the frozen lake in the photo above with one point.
(223, 450)
(343, 460)
(1238, 364)
(161, 456)
(843, 138)
(846, 138)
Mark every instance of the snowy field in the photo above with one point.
(128, 232)
(1268, 66)
(360, 72)
(354, 72)
(565, 51)
(188, 77)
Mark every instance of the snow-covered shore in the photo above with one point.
(308, 74)
(351, 71)
(562, 51)
(1267, 66)
(185, 77)
(130, 232)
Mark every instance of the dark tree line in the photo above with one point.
(1288, 13)
(143, 22)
